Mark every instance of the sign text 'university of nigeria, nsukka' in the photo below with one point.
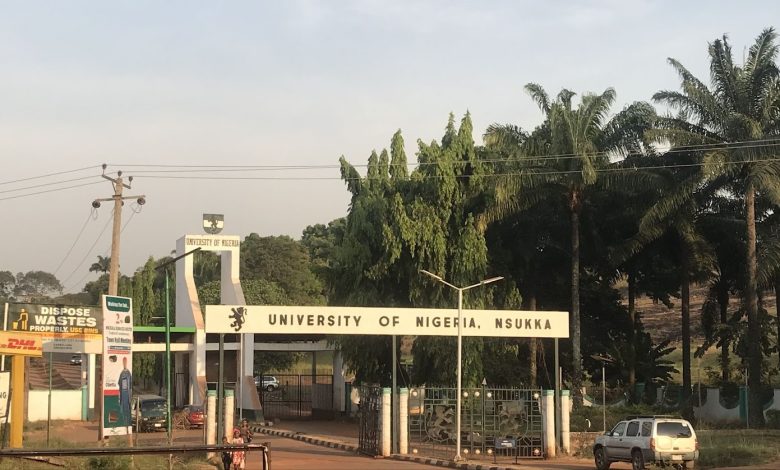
(385, 321)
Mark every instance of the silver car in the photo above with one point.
(648, 439)
(267, 382)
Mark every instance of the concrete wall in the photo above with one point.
(65, 404)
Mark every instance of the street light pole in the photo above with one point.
(604, 361)
(459, 390)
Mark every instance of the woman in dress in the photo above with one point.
(239, 459)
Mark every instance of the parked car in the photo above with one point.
(267, 382)
(193, 415)
(640, 440)
(75, 359)
(149, 413)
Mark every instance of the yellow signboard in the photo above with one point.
(21, 343)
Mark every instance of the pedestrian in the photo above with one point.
(238, 455)
(246, 431)
(227, 457)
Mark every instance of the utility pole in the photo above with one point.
(113, 273)
(118, 198)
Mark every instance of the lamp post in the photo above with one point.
(460, 347)
(604, 361)
(167, 369)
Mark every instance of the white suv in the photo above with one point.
(648, 439)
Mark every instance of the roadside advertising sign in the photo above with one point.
(61, 328)
(117, 365)
(21, 343)
(5, 390)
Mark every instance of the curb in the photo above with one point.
(306, 439)
(449, 463)
(404, 458)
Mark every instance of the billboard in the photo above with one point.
(62, 328)
(385, 321)
(117, 365)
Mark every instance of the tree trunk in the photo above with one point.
(632, 333)
(576, 353)
(755, 405)
(685, 300)
(723, 303)
(533, 345)
(777, 310)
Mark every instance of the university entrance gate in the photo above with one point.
(495, 423)
(492, 421)
(299, 397)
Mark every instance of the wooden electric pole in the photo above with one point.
(118, 198)
(113, 273)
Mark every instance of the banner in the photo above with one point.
(385, 321)
(117, 365)
(20, 343)
(62, 328)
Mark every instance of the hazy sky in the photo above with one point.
(133, 83)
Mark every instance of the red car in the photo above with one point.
(194, 416)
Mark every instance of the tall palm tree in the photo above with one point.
(561, 160)
(735, 116)
(102, 265)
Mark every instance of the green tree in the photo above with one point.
(741, 107)
(36, 286)
(283, 261)
(102, 265)
(399, 223)
(561, 160)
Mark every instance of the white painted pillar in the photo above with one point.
(91, 379)
(403, 426)
(339, 383)
(230, 406)
(386, 421)
(565, 411)
(211, 420)
(548, 422)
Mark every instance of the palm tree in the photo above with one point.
(561, 160)
(102, 265)
(742, 107)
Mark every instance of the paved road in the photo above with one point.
(289, 454)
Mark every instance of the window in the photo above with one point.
(647, 429)
(633, 429)
(673, 429)
(620, 429)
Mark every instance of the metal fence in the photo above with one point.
(299, 397)
(495, 423)
(369, 411)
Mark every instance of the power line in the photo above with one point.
(48, 191)
(49, 174)
(185, 168)
(485, 175)
(48, 184)
(89, 252)
(91, 214)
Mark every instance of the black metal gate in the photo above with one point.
(494, 423)
(298, 397)
(369, 411)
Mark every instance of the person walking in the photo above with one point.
(239, 459)
(246, 432)
(227, 456)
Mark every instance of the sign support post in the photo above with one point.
(17, 401)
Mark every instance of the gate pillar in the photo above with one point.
(386, 421)
(548, 422)
(565, 410)
(403, 425)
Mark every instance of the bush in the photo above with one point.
(578, 420)
(109, 463)
(773, 419)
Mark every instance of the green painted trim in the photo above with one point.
(161, 329)
(403, 391)
(229, 392)
(386, 391)
(548, 393)
(211, 393)
(565, 393)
